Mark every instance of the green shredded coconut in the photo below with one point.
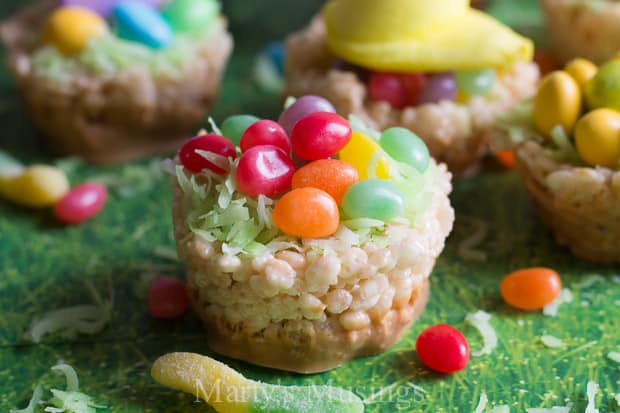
(564, 151)
(132, 179)
(36, 398)
(518, 122)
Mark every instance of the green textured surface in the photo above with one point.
(44, 266)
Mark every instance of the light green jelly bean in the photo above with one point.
(234, 126)
(373, 198)
(475, 82)
(405, 146)
(187, 16)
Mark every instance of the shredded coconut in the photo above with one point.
(551, 309)
(551, 341)
(480, 321)
(591, 390)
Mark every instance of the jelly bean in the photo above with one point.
(70, 29)
(545, 61)
(443, 348)
(207, 378)
(187, 16)
(234, 126)
(358, 153)
(103, 7)
(167, 298)
(330, 175)
(597, 137)
(405, 146)
(414, 84)
(388, 87)
(506, 158)
(531, 288)
(438, 87)
(216, 144)
(36, 187)
(141, 23)
(265, 132)
(81, 203)
(603, 90)
(373, 198)
(581, 70)
(276, 53)
(475, 82)
(558, 102)
(264, 169)
(302, 107)
(307, 213)
(320, 135)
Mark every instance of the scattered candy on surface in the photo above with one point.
(70, 29)
(358, 153)
(264, 169)
(209, 379)
(320, 135)
(388, 87)
(581, 70)
(234, 126)
(216, 144)
(405, 146)
(265, 132)
(138, 22)
(597, 138)
(531, 288)
(188, 16)
(330, 175)
(438, 87)
(373, 198)
(603, 90)
(167, 298)
(38, 186)
(475, 82)
(81, 203)
(303, 107)
(307, 213)
(558, 102)
(443, 348)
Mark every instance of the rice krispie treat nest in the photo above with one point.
(116, 100)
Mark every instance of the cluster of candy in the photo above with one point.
(310, 134)
(585, 102)
(71, 26)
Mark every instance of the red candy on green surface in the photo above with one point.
(443, 348)
(414, 84)
(216, 144)
(264, 169)
(81, 203)
(330, 175)
(307, 213)
(388, 87)
(320, 135)
(167, 298)
(265, 132)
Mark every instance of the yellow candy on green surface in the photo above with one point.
(421, 35)
(70, 29)
(36, 187)
(582, 70)
(558, 102)
(603, 90)
(359, 152)
(597, 137)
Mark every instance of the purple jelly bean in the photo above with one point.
(104, 7)
(303, 106)
(438, 87)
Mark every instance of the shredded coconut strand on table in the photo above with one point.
(589, 280)
(614, 356)
(480, 321)
(554, 409)
(551, 341)
(591, 390)
(551, 309)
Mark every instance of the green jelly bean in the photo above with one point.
(234, 126)
(405, 146)
(475, 82)
(187, 16)
(373, 198)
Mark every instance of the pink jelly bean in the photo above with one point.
(167, 298)
(264, 169)
(81, 203)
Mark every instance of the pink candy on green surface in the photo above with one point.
(81, 203)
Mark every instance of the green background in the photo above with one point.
(44, 266)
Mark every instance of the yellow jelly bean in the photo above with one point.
(359, 152)
(70, 29)
(37, 187)
(581, 70)
(597, 137)
(558, 102)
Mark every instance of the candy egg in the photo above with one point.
(81, 203)
(443, 348)
(373, 198)
(307, 213)
(265, 132)
(330, 175)
(475, 82)
(320, 135)
(141, 23)
(301, 108)
(264, 169)
(597, 137)
(603, 90)
(581, 70)
(558, 102)
(37, 187)
(196, 162)
(234, 126)
(69, 29)
(358, 153)
(531, 288)
(186, 16)
(405, 146)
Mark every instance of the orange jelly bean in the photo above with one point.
(307, 213)
(330, 175)
(531, 288)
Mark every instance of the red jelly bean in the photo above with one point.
(443, 348)
(264, 169)
(217, 144)
(265, 132)
(413, 84)
(81, 203)
(167, 298)
(388, 87)
(320, 135)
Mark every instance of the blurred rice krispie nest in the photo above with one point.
(456, 134)
(583, 28)
(311, 305)
(121, 114)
